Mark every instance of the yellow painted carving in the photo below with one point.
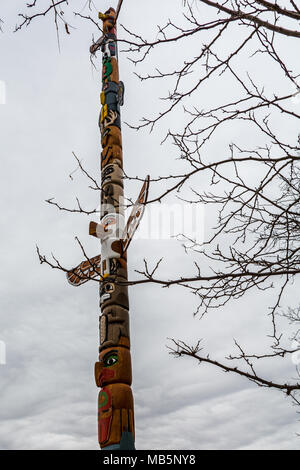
(101, 16)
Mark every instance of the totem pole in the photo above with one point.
(113, 370)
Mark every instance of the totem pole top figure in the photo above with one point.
(109, 21)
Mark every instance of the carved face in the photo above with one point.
(114, 328)
(112, 293)
(114, 366)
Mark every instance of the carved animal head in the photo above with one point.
(114, 366)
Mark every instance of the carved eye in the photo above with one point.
(110, 360)
(109, 288)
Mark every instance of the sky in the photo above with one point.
(50, 329)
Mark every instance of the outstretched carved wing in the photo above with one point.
(136, 215)
(88, 269)
(94, 47)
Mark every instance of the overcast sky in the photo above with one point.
(48, 394)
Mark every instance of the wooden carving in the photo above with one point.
(88, 269)
(111, 154)
(113, 372)
(136, 215)
(114, 327)
(111, 136)
(114, 366)
(113, 292)
(112, 197)
(112, 174)
(110, 71)
(109, 21)
(115, 415)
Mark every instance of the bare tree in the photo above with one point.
(254, 187)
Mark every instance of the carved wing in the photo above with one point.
(88, 269)
(94, 47)
(136, 215)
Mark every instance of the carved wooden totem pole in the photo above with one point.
(113, 370)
